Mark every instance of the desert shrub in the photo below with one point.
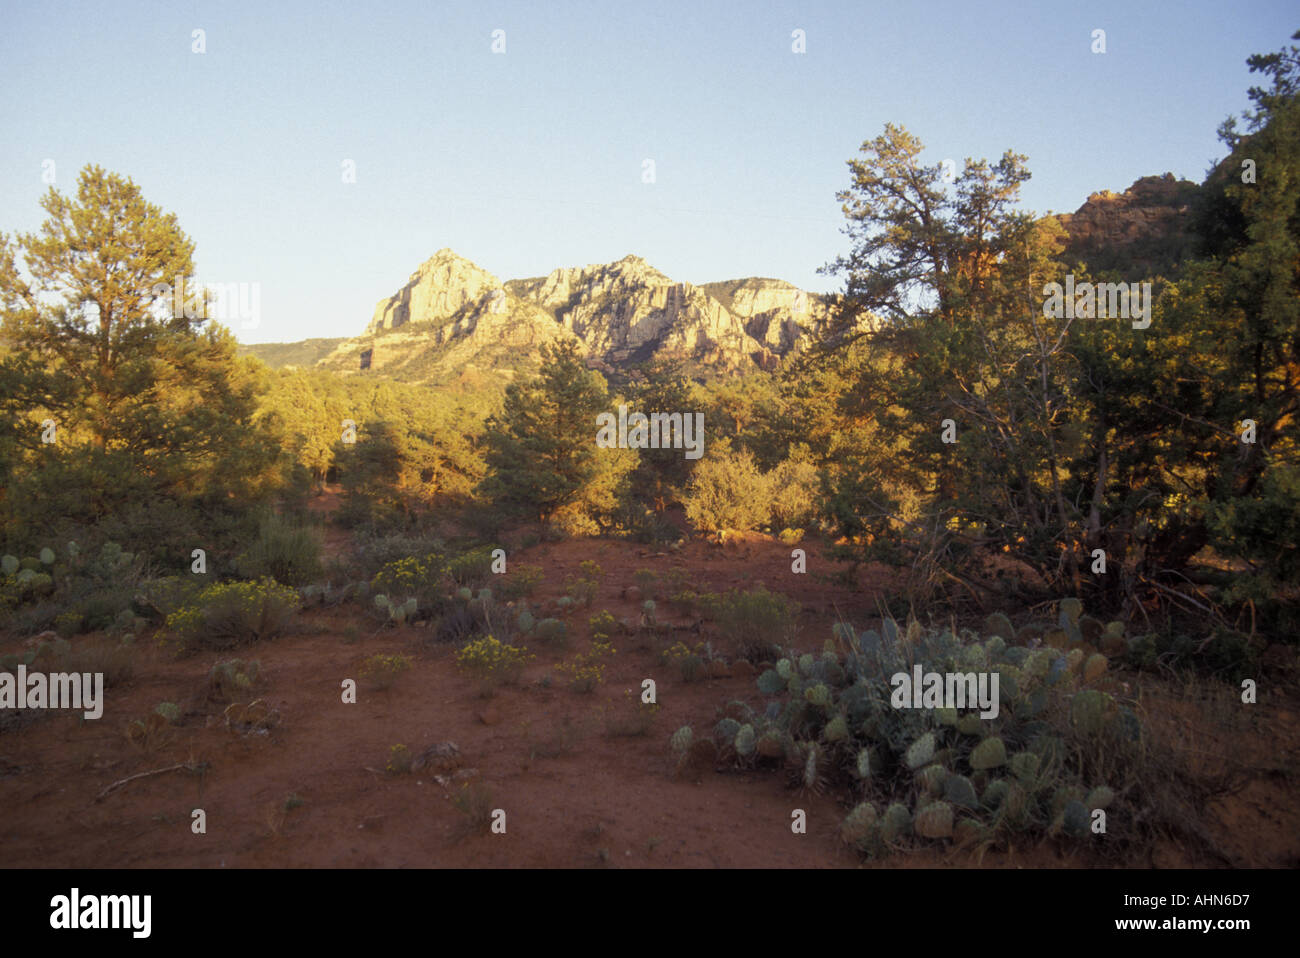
(630, 717)
(399, 760)
(375, 551)
(763, 622)
(521, 580)
(114, 658)
(587, 669)
(492, 662)
(471, 569)
(409, 577)
(796, 493)
(552, 632)
(728, 491)
(474, 801)
(286, 551)
(689, 663)
(229, 614)
(647, 580)
(585, 586)
(381, 671)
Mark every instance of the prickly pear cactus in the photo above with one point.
(818, 695)
(745, 741)
(998, 625)
(725, 731)
(1099, 797)
(771, 683)
(681, 740)
(784, 669)
(896, 823)
(990, 753)
(1091, 711)
(770, 744)
(934, 821)
(837, 729)
(920, 752)
(858, 824)
(1094, 668)
(47, 556)
(959, 790)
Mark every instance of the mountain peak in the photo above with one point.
(442, 285)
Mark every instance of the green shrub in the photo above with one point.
(229, 614)
(584, 587)
(409, 577)
(286, 551)
(763, 622)
(492, 662)
(521, 580)
(381, 671)
(472, 569)
(728, 492)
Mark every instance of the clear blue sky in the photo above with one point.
(532, 159)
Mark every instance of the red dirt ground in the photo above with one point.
(608, 802)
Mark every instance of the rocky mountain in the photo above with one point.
(453, 320)
(1142, 232)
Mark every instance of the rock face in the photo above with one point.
(443, 285)
(452, 316)
(1144, 231)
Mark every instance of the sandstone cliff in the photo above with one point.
(453, 316)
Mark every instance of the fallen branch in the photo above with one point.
(179, 766)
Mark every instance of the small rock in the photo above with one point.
(632, 594)
(489, 716)
(742, 670)
(719, 670)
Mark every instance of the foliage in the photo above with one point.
(228, 614)
(492, 662)
(763, 622)
(286, 551)
(540, 447)
(381, 671)
(728, 492)
(587, 669)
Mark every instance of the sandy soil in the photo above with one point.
(603, 802)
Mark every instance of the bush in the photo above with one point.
(521, 580)
(587, 670)
(728, 491)
(763, 622)
(473, 569)
(419, 579)
(492, 662)
(584, 587)
(229, 614)
(285, 551)
(796, 493)
(381, 671)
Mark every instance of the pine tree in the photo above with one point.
(541, 448)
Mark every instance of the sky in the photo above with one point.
(534, 157)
